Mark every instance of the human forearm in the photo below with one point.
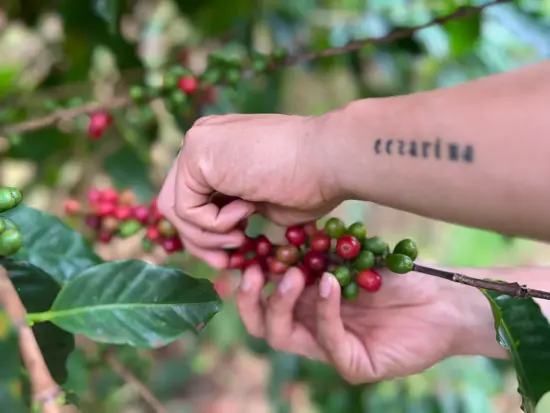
(474, 154)
(475, 334)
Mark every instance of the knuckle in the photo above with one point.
(276, 342)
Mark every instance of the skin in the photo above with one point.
(294, 169)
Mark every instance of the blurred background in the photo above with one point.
(64, 53)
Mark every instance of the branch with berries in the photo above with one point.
(182, 88)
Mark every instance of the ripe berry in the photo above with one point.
(296, 235)
(369, 280)
(255, 261)
(288, 254)
(311, 228)
(236, 260)
(166, 228)
(93, 221)
(275, 266)
(93, 195)
(172, 244)
(310, 276)
(99, 121)
(320, 242)
(407, 247)
(153, 233)
(343, 275)
(105, 237)
(348, 247)
(358, 230)
(335, 227)
(263, 246)
(141, 213)
(188, 84)
(104, 209)
(123, 212)
(365, 260)
(315, 261)
(248, 246)
(109, 195)
(399, 263)
(72, 207)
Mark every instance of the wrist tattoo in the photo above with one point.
(436, 149)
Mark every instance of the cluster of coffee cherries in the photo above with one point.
(345, 251)
(11, 239)
(109, 214)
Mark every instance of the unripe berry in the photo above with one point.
(99, 121)
(127, 197)
(407, 247)
(350, 291)
(109, 195)
(316, 261)
(109, 225)
(296, 235)
(369, 280)
(358, 230)
(320, 242)
(72, 207)
(348, 247)
(172, 244)
(152, 233)
(236, 260)
(188, 84)
(141, 213)
(343, 275)
(335, 227)
(166, 228)
(123, 212)
(288, 254)
(11, 241)
(264, 247)
(399, 263)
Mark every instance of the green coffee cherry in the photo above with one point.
(147, 244)
(407, 247)
(365, 260)
(335, 227)
(399, 263)
(11, 241)
(129, 228)
(137, 93)
(211, 76)
(376, 245)
(343, 275)
(9, 198)
(3, 224)
(350, 291)
(178, 97)
(358, 230)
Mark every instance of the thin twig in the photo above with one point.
(45, 391)
(144, 391)
(512, 289)
(122, 101)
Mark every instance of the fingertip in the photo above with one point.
(251, 279)
(329, 287)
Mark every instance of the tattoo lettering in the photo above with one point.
(436, 149)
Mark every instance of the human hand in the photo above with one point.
(276, 165)
(411, 323)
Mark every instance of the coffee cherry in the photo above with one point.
(296, 235)
(369, 280)
(152, 233)
(109, 224)
(93, 222)
(172, 244)
(376, 245)
(263, 246)
(129, 228)
(350, 291)
(364, 261)
(348, 247)
(3, 224)
(146, 244)
(123, 212)
(320, 242)
(93, 195)
(311, 229)
(407, 247)
(236, 260)
(335, 227)
(188, 84)
(72, 207)
(11, 241)
(309, 276)
(288, 254)
(141, 213)
(104, 237)
(253, 261)
(399, 263)
(166, 228)
(248, 246)
(127, 197)
(99, 121)
(109, 195)
(275, 266)
(316, 261)
(343, 275)
(105, 209)
(358, 230)
(10, 197)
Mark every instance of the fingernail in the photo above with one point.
(325, 286)
(246, 284)
(231, 245)
(285, 285)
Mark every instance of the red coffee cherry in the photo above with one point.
(348, 247)
(275, 266)
(254, 261)
(99, 121)
(248, 246)
(93, 195)
(188, 84)
(105, 237)
(369, 280)
(105, 209)
(123, 212)
(93, 222)
(141, 213)
(315, 261)
(264, 247)
(172, 244)
(311, 228)
(72, 207)
(320, 242)
(310, 276)
(236, 260)
(153, 233)
(109, 195)
(296, 235)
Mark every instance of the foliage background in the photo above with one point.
(64, 50)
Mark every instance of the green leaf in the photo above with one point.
(111, 12)
(11, 398)
(50, 244)
(463, 33)
(133, 302)
(37, 291)
(524, 331)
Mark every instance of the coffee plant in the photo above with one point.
(56, 289)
